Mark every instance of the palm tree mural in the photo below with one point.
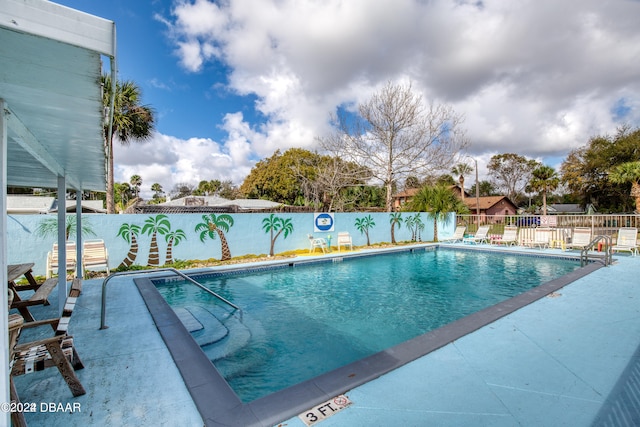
(415, 224)
(132, 121)
(278, 225)
(152, 226)
(437, 201)
(628, 172)
(364, 224)
(49, 227)
(219, 225)
(129, 232)
(173, 238)
(395, 218)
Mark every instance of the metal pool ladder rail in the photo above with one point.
(103, 313)
(607, 257)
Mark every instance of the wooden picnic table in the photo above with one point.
(39, 297)
(14, 271)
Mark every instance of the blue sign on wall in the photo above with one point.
(323, 222)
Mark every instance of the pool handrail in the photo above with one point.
(607, 258)
(103, 312)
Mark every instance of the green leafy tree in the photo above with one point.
(461, 169)
(152, 226)
(129, 233)
(132, 121)
(486, 189)
(219, 225)
(274, 224)
(544, 180)
(208, 188)
(364, 224)
(586, 169)
(173, 238)
(277, 178)
(626, 173)
(437, 201)
(395, 219)
(49, 227)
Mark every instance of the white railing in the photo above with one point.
(561, 225)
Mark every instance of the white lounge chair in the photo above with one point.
(344, 239)
(52, 258)
(317, 242)
(509, 237)
(458, 235)
(481, 236)
(541, 238)
(95, 255)
(580, 239)
(627, 240)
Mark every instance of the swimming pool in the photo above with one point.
(299, 323)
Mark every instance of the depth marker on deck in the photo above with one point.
(325, 410)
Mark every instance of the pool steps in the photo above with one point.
(223, 338)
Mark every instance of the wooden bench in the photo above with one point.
(39, 297)
(95, 254)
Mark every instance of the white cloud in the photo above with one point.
(169, 161)
(535, 77)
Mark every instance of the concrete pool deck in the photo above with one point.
(570, 359)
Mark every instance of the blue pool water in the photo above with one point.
(299, 322)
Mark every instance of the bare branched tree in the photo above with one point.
(330, 177)
(395, 135)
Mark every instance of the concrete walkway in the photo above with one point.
(569, 359)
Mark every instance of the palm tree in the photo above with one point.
(628, 172)
(279, 225)
(395, 218)
(136, 182)
(461, 169)
(131, 122)
(157, 189)
(364, 224)
(544, 179)
(153, 226)
(173, 238)
(437, 201)
(129, 232)
(49, 227)
(216, 224)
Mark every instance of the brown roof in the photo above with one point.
(410, 192)
(485, 202)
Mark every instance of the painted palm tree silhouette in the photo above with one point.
(129, 232)
(219, 225)
(153, 226)
(395, 219)
(364, 224)
(274, 224)
(173, 238)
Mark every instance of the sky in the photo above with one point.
(232, 81)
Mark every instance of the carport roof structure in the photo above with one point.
(51, 111)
